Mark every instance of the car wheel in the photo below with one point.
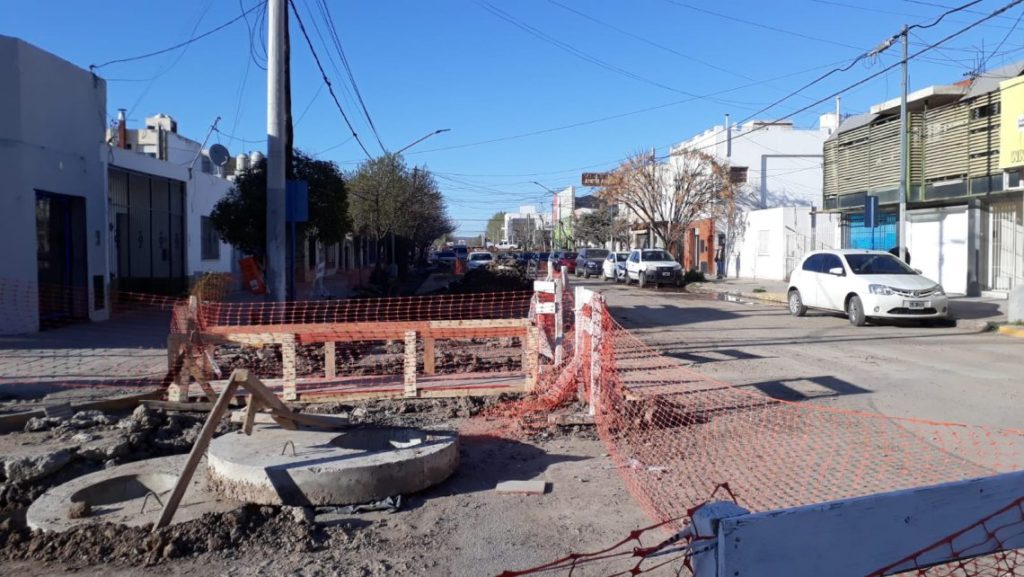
(855, 311)
(796, 304)
(678, 282)
(641, 280)
(586, 274)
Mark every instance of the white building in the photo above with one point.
(79, 216)
(521, 228)
(778, 169)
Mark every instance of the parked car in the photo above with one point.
(445, 258)
(589, 261)
(564, 258)
(864, 284)
(653, 265)
(479, 259)
(614, 266)
(461, 252)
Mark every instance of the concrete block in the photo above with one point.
(1015, 305)
(522, 487)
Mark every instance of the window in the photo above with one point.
(634, 256)
(764, 242)
(985, 111)
(210, 240)
(738, 174)
(813, 263)
(831, 261)
(877, 264)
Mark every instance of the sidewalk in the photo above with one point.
(974, 313)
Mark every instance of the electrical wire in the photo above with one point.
(176, 46)
(984, 63)
(327, 80)
(249, 29)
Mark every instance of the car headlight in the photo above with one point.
(939, 290)
(677, 267)
(879, 289)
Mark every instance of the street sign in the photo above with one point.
(871, 212)
(544, 286)
(297, 201)
(596, 178)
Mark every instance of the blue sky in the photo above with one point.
(506, 77)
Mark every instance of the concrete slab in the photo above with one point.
(309, 467)
(522, 487)
(119, 495)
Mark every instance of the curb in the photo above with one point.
(1011, 331)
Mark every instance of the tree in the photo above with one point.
(241, 216)
(494, 226)
(670, 196)
(427, 218)
(600, 226)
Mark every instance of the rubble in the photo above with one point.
(29, 468)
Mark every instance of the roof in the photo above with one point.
(989, 81)
(852, 122)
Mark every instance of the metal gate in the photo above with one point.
(1006, 250)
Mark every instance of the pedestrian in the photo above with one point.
(720, 262)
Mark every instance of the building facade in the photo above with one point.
(965, 191)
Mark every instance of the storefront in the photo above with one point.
(1004, 219)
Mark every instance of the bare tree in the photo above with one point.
(670, 196)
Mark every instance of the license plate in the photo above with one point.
(917, 304)
(666, 274)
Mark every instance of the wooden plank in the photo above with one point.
(410, 364)
(250, 414)
(544, 286)
(192, 407)
(16, 421)
(429, 358)
(330, 360)
(886, 529)
(423, 393)
(198, 449)
(288, 367)
(278, 409)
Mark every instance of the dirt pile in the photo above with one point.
(249, 527)
(412, 412)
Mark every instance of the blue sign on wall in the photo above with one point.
(882, 237)
(297, 201)
(871, 211)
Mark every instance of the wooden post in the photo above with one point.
(199, 448)
(250, 414)
(428, 356)
(531, 357)
(177, 365)
(288, 367)
(410, 364)
(330, 360)
(559, 320)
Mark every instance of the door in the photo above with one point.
(1006, 245)
(937, 244)
(61, 259)
(831, 292)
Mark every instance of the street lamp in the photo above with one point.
(421, 139)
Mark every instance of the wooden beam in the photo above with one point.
(428, 356)
(410, 364)
(398, 393)
(198, 449)
(330, 360)
(279, 410)
(288, 367)
(250, 414)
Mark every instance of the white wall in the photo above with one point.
(775, 239)
(52, 120)
(937, 242)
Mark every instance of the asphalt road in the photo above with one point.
(938, 373)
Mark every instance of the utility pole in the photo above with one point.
(901, 239)
(276, 135)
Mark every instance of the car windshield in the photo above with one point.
(621, 256)
(597, 253)
(655, 255)
(877, 264)
(481, 256)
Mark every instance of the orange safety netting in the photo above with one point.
(677, 435)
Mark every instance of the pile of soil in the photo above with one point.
(432, 413)
(250, 526)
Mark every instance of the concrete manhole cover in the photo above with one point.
(274, 466)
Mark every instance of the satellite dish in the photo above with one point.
(219, 154)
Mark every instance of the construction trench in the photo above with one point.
(323, 421)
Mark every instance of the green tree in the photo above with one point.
(494, 226)
(427, 217)
(600, 226)
(241, 216)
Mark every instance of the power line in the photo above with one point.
(333, 32)
(249, 28)
(176, 46)
(981, 67)
(327, 80)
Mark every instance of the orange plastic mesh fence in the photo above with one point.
(676, 435)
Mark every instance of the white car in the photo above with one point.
(479, 259)
(864, 284)
(653, 265)
(613, 267)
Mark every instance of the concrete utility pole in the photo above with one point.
(276, 134)
(901, 240)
